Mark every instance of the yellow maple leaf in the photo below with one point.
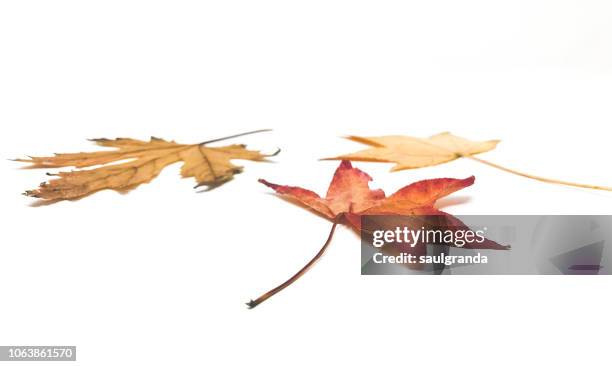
(137, 162)
(408, 152)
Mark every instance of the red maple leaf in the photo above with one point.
(349, 197)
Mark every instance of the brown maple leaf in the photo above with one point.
(409, 152)
(139, 162)
(349, 197)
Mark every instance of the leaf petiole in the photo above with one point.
(537, 178)
(296, 276)
(234, 136)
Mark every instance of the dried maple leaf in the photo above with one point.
(139, 163)
(409, 152)
(349, 196)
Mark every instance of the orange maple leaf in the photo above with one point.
(349, 196)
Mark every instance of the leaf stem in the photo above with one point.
(538, 178)
(234, 136)
(296, 276)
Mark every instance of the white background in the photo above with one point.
(160, 276)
